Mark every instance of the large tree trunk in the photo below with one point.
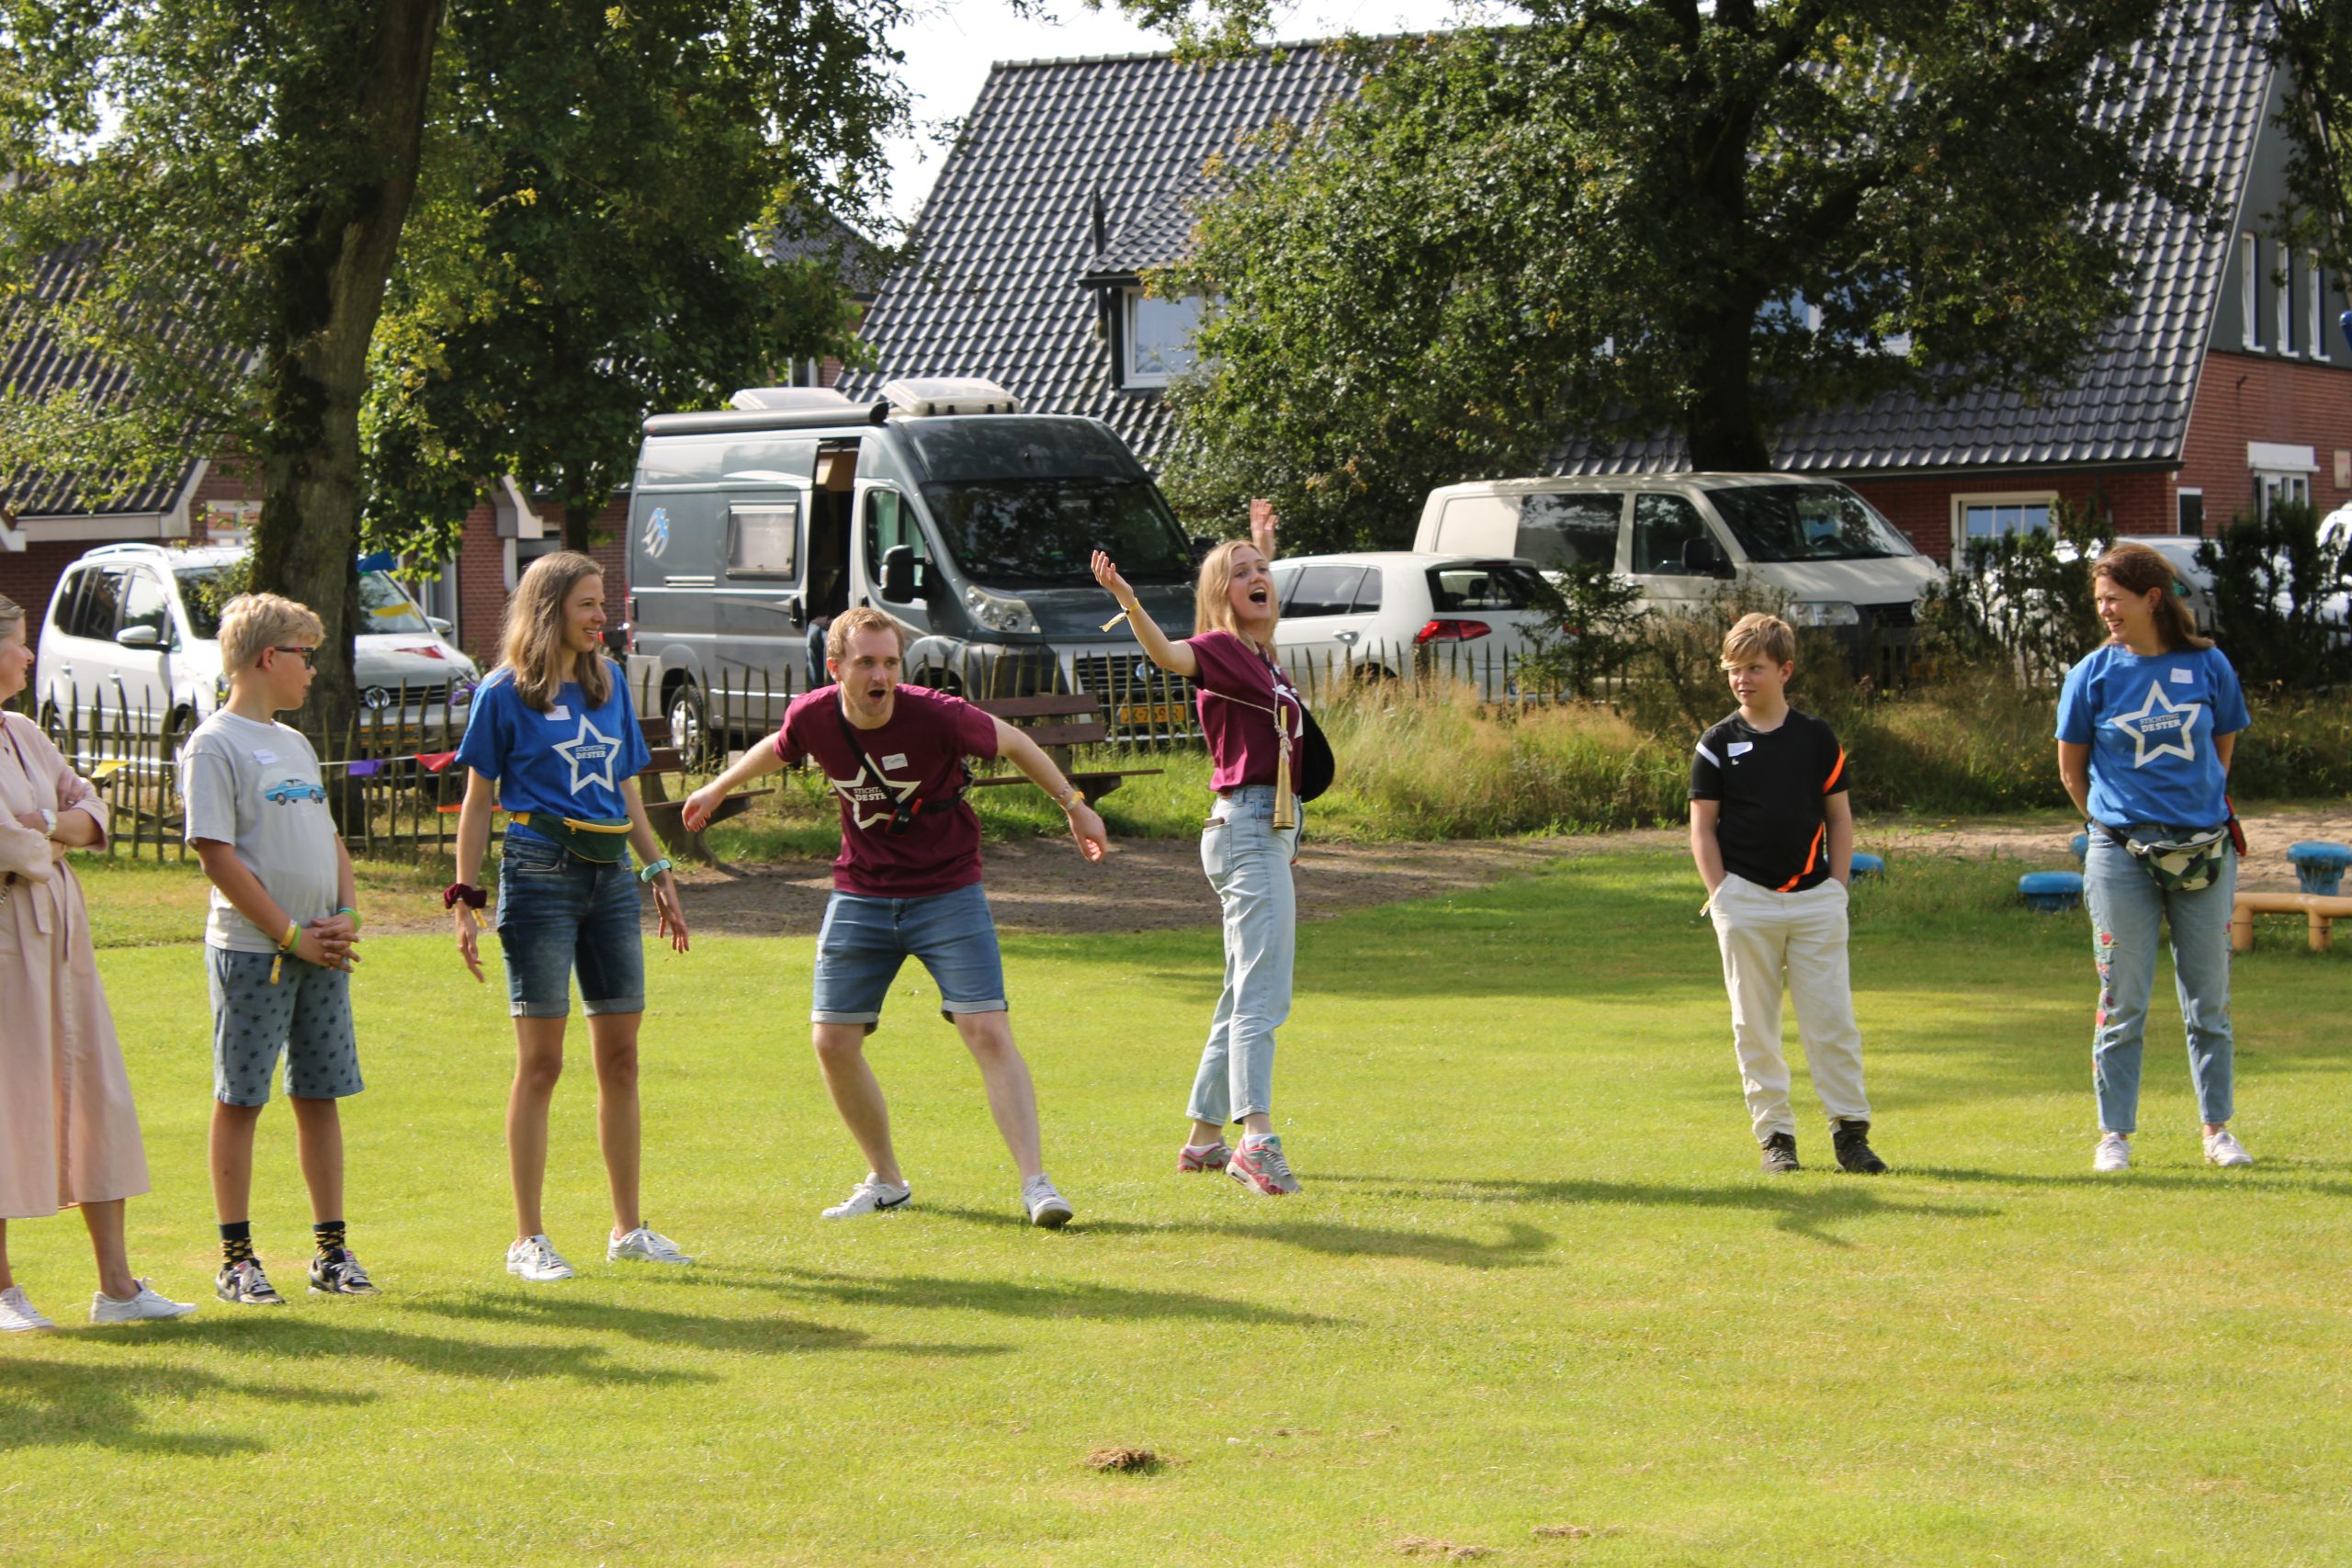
(327, 288)
(1719, 421)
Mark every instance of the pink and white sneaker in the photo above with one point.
(1258, 1165)
(1204, 1156)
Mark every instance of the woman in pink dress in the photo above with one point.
(68, 1133)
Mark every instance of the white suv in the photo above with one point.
(132, 633)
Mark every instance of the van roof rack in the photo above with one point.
(719, 421)
(789, 400)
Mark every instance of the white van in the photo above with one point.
(1679, 536)
(132, 631)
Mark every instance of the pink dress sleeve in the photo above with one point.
(74, 793)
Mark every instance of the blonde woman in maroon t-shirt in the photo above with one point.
(1254, 722)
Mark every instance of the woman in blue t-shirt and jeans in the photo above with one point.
(2145, 727)
(553, 742)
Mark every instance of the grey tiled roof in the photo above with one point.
(1008, 231)
(33, 365)
(2131, 404)
(821, 234)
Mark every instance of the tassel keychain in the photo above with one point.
(1285, 802)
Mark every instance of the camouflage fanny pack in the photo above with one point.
(2179, 865)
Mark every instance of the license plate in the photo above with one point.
(1151, 713)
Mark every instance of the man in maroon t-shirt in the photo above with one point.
(907, 883)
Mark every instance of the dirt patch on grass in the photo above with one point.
(1157, 885)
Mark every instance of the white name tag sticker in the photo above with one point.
(2181, 677)
(1740, 747)
(559, 714)
(895, 760)
(264, 758)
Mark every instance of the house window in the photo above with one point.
(2281, 472)
(2282, 278)
(2192, 514)
(2315, 298)
(1159, 338)
(2249, 292)
(1988, 517)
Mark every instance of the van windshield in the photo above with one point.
(1799, 522)
(1041, 532)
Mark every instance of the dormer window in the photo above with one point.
(1157, 337)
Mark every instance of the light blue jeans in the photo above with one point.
(2128, 906)
(1248, 861)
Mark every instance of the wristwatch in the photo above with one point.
(48, 822)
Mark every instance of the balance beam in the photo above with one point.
(2318, 910)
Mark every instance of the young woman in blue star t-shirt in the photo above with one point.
(553, 742)
(2146, 726)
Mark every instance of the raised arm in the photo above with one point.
(1175, 657)
(756, 763)
(1026, 754)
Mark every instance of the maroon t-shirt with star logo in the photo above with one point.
(921, 756)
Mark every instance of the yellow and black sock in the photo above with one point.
(237, 1244)
(330, 1235)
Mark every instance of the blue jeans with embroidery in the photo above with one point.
(2128, 907)
(1248, 860)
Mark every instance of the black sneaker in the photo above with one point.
(1781, 1154)
(247, 1285)
(338, 1273)
(1852, 1140)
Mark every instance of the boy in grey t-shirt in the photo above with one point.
(278, 941)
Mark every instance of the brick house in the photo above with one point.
(1075, 178)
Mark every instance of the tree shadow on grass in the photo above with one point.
(1014, 1299)
(760, 1335)
(285, 1338)
(76, 1402)
(1521, 1244)
(1800, 1206)
(2271, 1178)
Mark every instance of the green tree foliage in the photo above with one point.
(234, 179)
(2312, 39)
(580, 255)
(1608, 224)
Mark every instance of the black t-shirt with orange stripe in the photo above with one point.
(1772, 785)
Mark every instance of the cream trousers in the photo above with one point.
(1763, 933)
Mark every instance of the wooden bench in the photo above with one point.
(668, 815)
(2319, 912)
(1059, 724)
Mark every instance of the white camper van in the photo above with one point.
(1681, 535)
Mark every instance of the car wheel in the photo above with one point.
(689, 722)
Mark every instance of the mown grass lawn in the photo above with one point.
(1535, 1283)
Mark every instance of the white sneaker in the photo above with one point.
(643, 1246)
(18, 1316)
(2114, 1152)
(2223, 1148)
(534, 1260)
(141, 1308)
(871, 1196)
(1047, 1209)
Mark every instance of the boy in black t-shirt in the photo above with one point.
(1772, 829)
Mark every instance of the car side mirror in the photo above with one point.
(442, 625)
(1702, 558)
(899, 574)
(138, 637)
(1201, 545)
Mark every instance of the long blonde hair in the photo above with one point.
(1213, 595)
(532, 651)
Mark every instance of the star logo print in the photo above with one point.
(591, 754)
(856, 794)
(2161, 728)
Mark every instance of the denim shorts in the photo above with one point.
(864, 941)
(306, 1014)
(558, 912)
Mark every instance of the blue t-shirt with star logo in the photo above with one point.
(2150, 721)
(570, 761)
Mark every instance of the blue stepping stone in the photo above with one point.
(2051, 891)
(2319, 864)
(2081, 845)
(1868, 865)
